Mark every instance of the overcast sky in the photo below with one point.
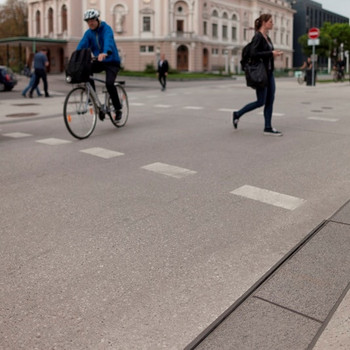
(341, 7)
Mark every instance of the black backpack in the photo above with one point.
(246, 56)
(78, 69)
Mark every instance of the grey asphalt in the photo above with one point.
(103, 254)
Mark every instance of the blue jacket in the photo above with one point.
(99, 41)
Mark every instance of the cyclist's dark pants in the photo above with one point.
(111, 69)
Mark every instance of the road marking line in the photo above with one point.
(17, 135)
(136, 104)
(169, 170)
(193, 107)
(332, 120)
(226, 110)
(53, 141)
(269, 197)
(162, 106)
(274, 114)
(102, 152)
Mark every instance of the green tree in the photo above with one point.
(13, 23)
(14, 18)
(332, 36)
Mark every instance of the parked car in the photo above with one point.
(7, 79)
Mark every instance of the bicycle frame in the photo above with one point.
(102, 107)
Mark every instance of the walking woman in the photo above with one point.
(262, 48)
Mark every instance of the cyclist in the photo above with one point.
(100, 39)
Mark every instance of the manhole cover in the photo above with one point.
(25, 104)
(21, 115)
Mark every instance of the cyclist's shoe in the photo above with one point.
(118, 115)
(272, 132)
(101, 116)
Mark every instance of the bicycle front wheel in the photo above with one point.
(123, 98)
(79, 113)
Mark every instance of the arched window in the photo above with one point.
(64, 22)
(225, 15)
(215, 13)
(37, 23)
(50, 20)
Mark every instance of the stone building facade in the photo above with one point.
(195, 35)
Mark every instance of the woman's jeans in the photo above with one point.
(265, 96)
(30, 85)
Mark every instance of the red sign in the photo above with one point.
(314, 33)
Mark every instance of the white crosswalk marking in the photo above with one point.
(193, 107)
(169, 170)
(102, 152)
(274, 114)
(226, 110)
(137, 104)
(17, 135)
(53, 141)
(269, 197)
(322, 119)
(162, 106)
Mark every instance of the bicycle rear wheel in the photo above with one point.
(79, 113)
(301, 79)
(123, 98)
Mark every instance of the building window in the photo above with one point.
(215, 51)
(50, 20)
(146, 27)
(224, 32)
(234, 33)
(64, 21)
(214, 30)
(146, 48)
(205, 28)
(37, 23)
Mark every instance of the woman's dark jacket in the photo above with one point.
(261, 49)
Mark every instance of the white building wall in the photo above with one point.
(139, 47)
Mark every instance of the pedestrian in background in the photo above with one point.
(307, 66)
(31, 75)
(40, 64)
(262, 48)
(163, 68)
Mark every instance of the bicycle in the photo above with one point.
(82, 106)
(300, 75)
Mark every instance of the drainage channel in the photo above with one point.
(290, 306)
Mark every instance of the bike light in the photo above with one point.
(68, 79)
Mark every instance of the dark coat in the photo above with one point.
(162, 69)
(260, 49)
